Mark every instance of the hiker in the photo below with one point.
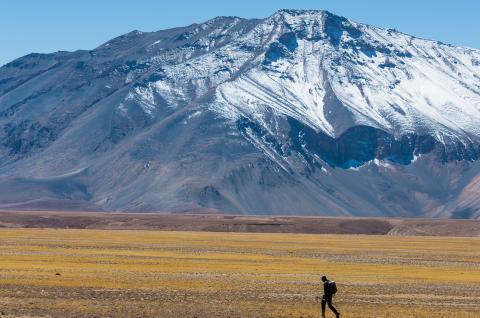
(329, 289)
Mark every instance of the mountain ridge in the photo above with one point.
(247, 116)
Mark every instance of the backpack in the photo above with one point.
(333, 287)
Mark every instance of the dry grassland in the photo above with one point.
(101, 273)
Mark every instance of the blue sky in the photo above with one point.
(50, 25)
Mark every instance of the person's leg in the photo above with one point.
(330, 305)
(323, 307)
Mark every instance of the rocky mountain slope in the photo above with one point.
(304, 112)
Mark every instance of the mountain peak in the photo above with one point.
(302, 111)
(303, 14)
(297, 12)
(315, 25)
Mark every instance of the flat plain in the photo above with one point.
(239, 223)
(136, 273)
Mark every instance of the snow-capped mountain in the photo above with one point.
(303, 112)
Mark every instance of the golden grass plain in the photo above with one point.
(103, 273)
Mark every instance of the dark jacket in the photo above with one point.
(327, 290)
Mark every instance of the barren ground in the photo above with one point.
(136, 273)
(236, 223)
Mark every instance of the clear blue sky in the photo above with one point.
(50, 25)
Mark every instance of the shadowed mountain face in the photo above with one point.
(303, 112)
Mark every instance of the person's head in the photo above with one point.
(324, 278)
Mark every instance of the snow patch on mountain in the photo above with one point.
(383, 78)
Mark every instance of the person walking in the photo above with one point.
(329, 289)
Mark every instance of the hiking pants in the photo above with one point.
(327, 299)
